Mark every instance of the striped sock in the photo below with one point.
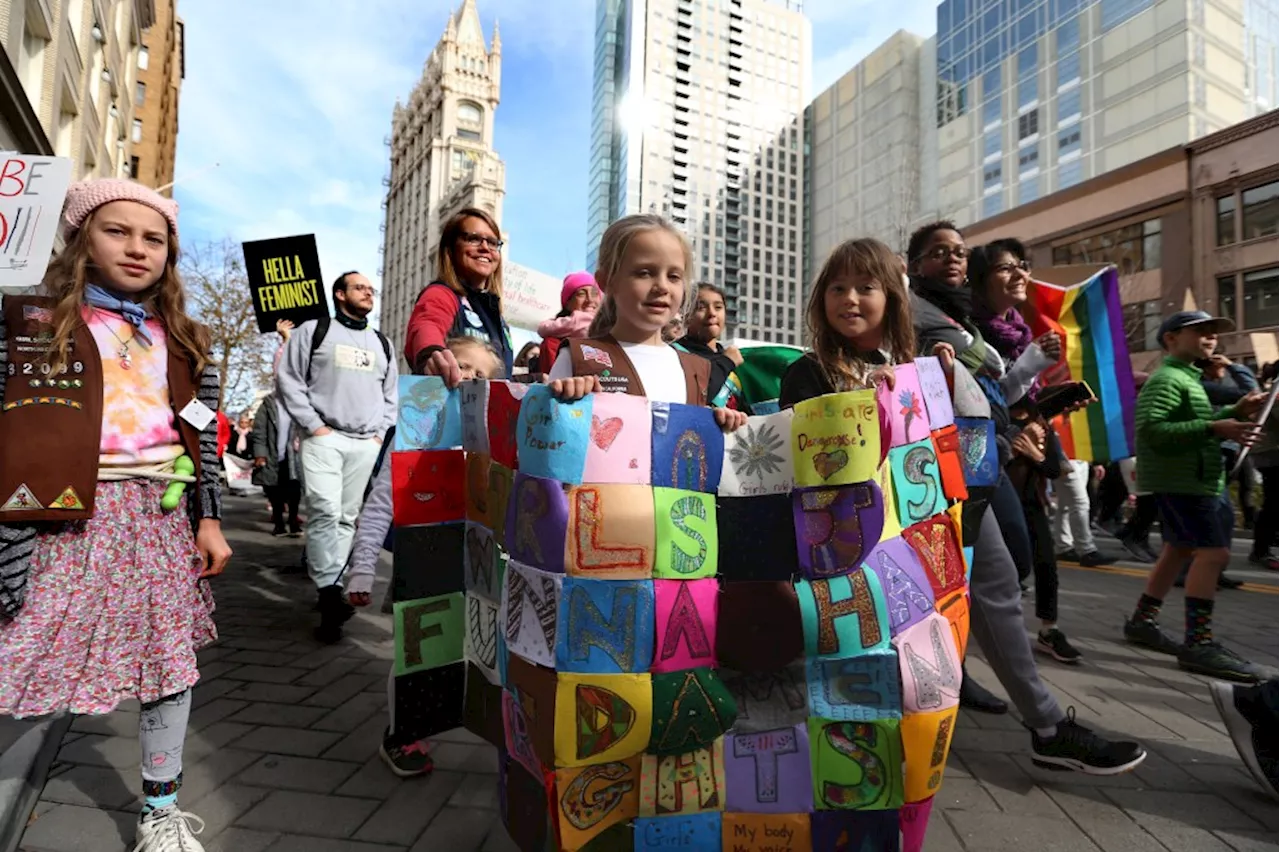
(1148, 609)
(1199, 621)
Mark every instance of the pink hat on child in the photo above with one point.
(573, 282)
(85, 197)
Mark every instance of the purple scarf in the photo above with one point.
(1008, 333)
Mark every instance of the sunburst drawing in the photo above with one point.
(755, 453)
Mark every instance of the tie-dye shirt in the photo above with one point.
(137, 418)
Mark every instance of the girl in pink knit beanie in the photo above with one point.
(579, 298)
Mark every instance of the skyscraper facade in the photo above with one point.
(697, 110)
(1040, 95)
(442, 158)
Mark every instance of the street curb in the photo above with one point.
(24, 767)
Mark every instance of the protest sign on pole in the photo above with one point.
(528, 296)
(32, 191)
(285, 281)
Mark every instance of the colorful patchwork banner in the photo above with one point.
(687, 639)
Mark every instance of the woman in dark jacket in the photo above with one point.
(275, 465)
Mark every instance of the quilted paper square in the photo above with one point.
(937, 395)
(537, 522)
(917, 482)
(530, 605)
(856, 765)
(743, 832)
(474, 403)
(552, 436)
(484, 563)
(686, 631)
(534, 689)
(767, 700)
(904, 404)
(621, 440)
(503, 412)
(688, 447)
(835, 527)
(686, 546)
(601, 718)
(926, 740)
(687, 783)
(482, 706)
(758, 626)
(934, 542)
(768, 771)
(861, 830)
(605, 626)
(843, 616)
(930, 666)
(524, 805)
(757, 538)
(429, 415)
(611, 532)
(500, 480)
(480, 643)
(913, 822)
(477, 496)
(428, 702)
(857, 689)
(946, 443)
(694, 832)
(955, 609)
(428, 487)
(427, 561)
(691, 708)
(836, 439)
(592, 799)
(979, 457)
(907, 591)
(428, 633)
(758, 458)
(518, 735)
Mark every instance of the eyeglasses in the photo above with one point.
(943, 252)
(361, 288)
(1024, 265)
(477, 239)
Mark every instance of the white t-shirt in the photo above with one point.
(658, 368)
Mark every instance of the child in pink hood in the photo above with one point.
(579, 298)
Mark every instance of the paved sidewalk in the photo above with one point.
(282, 752)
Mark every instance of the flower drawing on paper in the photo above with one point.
(756, 452)
(910, 408)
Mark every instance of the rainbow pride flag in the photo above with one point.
(1082, 304)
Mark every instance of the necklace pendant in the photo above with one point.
(126, 359)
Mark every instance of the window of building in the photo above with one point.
(144, 58)
(1028, 61)
(1259, 211)
(1068, 70)
(1067, 37)
(137, 130)
(1070, 173)
(991, 83)
(1028, 189)
(1068, 107)
(991, 143)
(1259, 302)
(991, 112)
(1028, 91)
(1028, 124)
(140, 94)
(1226, 220)
(1227, 297)
(1069, 142)
(133, 167)
(1132, 248)
(991, 176)
(1151, 248)
(1142, 325)
(992, 204)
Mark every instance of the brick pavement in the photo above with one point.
(282, 751)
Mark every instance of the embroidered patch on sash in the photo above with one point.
(42, 400)
(31, 312)
(21, 500)
(68, 499)
(598, 355)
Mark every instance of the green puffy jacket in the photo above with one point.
(1177, 451)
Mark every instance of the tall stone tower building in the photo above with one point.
(442, 159)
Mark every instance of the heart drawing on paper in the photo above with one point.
(827, 464)
(605, 432)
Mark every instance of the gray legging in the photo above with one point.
(996, 623)
(162, 729)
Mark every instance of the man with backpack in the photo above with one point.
(337, 380)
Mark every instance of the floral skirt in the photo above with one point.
(114, 609)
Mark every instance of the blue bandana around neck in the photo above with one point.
(133, 313)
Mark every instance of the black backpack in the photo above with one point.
(322, 329)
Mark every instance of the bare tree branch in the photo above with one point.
(218, 291)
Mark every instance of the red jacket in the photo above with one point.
(436, 317)
(224, 433)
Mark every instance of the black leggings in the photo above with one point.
(1266, 523)
(1013, 526)
(1045, 561)
(286, 494)
(1112, 494)
(1140, 522)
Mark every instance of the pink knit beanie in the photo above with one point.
(573, 282)
(85, 197)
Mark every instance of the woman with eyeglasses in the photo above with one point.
(942, 308)
(464, 301)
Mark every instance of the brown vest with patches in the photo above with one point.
(605, 358)
(51, 425)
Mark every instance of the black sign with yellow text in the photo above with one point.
(285, 281)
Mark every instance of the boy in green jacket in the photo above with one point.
(1179, 438)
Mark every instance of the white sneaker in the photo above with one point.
(169, 830)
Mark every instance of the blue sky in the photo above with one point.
(293, 105)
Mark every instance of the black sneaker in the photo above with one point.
(278, 530)
(1138, 550)
(973, 696)
(1149, 635)
(406, 759)
(1260, 762)
(1094, 558)
(1264, 560)
(334, 612)
(1068, 556)
(1217, 661)
(1054, 643)
(1075, 747)
(1225, 582)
